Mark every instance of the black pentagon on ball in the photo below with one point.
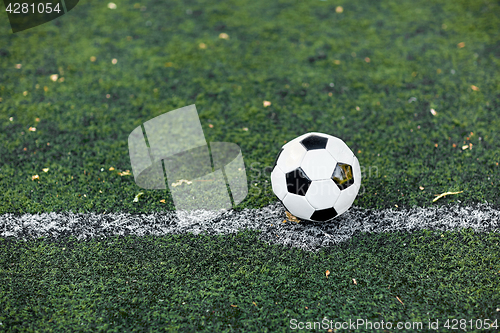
(297, 182)
(343, 176)
(324, 214)
(314, 142)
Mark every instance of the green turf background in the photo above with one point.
(349, 74)
(284, 52)
(210, 284)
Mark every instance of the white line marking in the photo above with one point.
(267, 220)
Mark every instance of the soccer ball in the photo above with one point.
(316, 177)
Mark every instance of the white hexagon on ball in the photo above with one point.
(356, 170)
(318, 164)
(278, 183)
(322, 194)
(291, 157)
(346, 198)
(340, 151)
(298, 206)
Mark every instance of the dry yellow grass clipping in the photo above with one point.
(439, 196)
(140, 194)
(291, 218)
(179, 182)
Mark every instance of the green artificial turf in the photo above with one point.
(237, 283)
(349, 74)
(369, 74)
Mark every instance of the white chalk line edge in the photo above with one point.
(268, 221)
